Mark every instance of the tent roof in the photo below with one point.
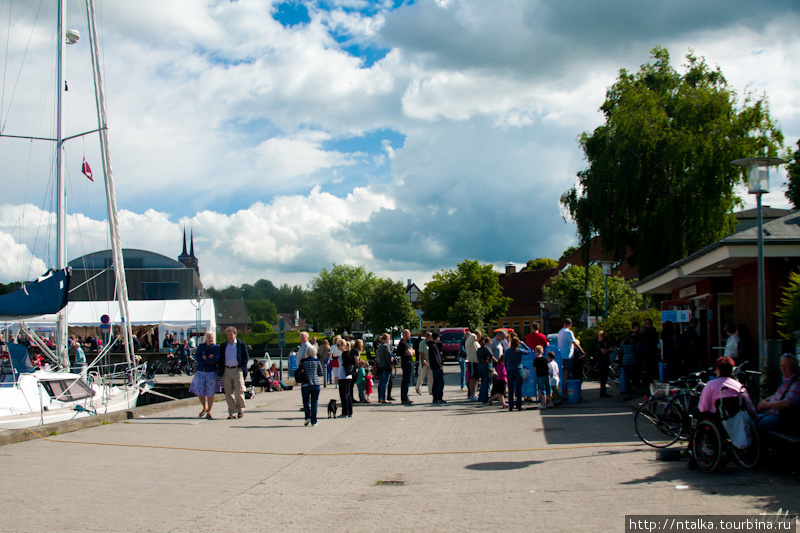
(170, 313)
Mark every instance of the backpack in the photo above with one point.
(300, 374)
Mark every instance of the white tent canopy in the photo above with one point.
(177, 316)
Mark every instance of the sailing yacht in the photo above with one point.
(30, 396)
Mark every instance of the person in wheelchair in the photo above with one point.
(724, 386)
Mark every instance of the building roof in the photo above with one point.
(595, 255)
(133, 259)
(781, 239)
(525, 287)
(231, 311)
(289, 318)
(748, 218)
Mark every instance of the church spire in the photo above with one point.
(184, 258)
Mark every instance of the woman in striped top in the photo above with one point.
(310, 389)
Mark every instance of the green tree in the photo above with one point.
(567, 252)
(388, 307)
(540, 263)
(793, 172)
(262, 310)
(788, 313)
(443, 291)
(339, 295)
(664, 156)
(569, 289)
(468, 310)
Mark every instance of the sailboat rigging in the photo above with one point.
(29, 396)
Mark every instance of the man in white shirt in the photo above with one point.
(471, 346)
(423, 369)
(233, 369)
(567, 344)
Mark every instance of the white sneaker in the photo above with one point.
(314, 425)
(308, 421)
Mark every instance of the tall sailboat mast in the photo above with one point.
(61, 204)
(111, 197)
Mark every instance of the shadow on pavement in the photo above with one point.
(776, 488)
(574, 426)
(502, 465)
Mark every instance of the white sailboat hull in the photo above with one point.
(35, 400)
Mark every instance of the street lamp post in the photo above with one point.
(588, 306)
(606, 268)
(758, 184)
(541, 315)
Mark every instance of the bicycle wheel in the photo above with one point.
(707, 446)
(614, 372)
(748, 457)
(589, 371)
(658, 423)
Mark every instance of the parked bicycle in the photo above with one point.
(591, 370)
(182, 366)
(664, 418)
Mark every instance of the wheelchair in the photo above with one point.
(710, 445)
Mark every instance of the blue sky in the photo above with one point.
(404, 136)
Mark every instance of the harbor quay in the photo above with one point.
(458, 467)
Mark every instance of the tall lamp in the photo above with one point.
(605, 266)
(588, 306)
(758, 184)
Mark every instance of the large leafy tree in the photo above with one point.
(540, 263)
(569, 289)
(443, 292)
(793, 170)
(262, 310)
(660, 180)
(468, 310)
(388, 307)
(340, 294)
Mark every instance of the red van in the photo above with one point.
(451, 340)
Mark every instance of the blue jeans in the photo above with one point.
(438, 384)
(310, 401)
(483, 372)
(462, 364)
(408, 370)
(768, 422)
(515, 380)
(386, 375)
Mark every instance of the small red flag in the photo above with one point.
(86, 169)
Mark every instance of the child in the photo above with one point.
(369, 386)
(554, 380)
(328, 361)
(499, 384)
(542, 368)
(361, 380)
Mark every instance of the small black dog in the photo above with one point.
(332, 407)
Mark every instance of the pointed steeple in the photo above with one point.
(184, 258)
(193, 262)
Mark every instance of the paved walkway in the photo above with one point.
(458, 467)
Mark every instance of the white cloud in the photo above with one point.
(263, 138)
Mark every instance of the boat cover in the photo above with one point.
(47, 295)
(18, 357)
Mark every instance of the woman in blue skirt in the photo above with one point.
(206, 382)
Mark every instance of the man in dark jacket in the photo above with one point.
(232, 367)
(436, 365)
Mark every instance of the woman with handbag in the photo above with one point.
(515, 371)
(346, 373)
